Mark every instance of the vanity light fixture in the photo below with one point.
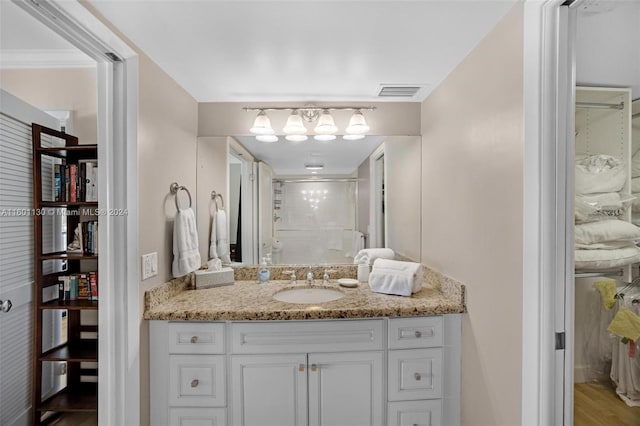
(325, 129)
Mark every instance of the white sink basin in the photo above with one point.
(308, 295)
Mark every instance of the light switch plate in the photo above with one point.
(149, 265)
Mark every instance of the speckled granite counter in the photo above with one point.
(248, 300)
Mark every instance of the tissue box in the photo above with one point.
(206, 278)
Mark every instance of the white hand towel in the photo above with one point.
(213, 253)
(370, 255)
(186, 256)
(222, 239)
(395, 277)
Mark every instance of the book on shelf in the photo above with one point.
(76, 182)
(85, 239)
(80, 286)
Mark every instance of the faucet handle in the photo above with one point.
(325, 277)
(293, 275)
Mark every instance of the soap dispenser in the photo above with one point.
(263, 273)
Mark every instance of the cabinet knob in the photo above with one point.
(194, 339)
(195, 383)
(417, 376)
(5, 305)
(314, 367)
(418, 334)
(301, 367)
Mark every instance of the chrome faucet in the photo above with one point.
(293, 276)
(309, 277)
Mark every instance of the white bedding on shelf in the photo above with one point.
(606, 259)
(605, 231)
(599, 173)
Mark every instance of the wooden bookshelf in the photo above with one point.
(81, 391)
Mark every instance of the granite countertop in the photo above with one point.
(248, 300)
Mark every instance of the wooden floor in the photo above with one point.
(598, 404)
(76, 419)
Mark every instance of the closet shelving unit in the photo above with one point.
(77, 349)
(603, 126)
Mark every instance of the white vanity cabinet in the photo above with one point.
(369, 372)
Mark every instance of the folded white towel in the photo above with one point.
(186, 256)
(395, 277)
(222, 240)
(370, 255)
(213, 252)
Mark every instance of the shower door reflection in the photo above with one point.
(315, 221)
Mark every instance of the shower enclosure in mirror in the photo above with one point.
(315, 219)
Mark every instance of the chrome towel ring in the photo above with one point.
(215, 196)
(174, 188)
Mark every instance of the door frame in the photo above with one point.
(547, 335)
(377, 219)
(117, 94)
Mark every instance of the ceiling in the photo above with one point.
(311, 51)
(290, 51)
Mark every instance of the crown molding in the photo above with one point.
(41, 58)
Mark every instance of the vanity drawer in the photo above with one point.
(415, 413)
(306, 336)
(197, 417)
(415, 374)
(419, 332)
(196, 338)
(197, 381)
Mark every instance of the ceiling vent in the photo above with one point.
(398, 90)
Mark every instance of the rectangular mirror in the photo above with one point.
(367, 194)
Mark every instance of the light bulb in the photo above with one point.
(352, 137)
(324, 138)
(296, 138)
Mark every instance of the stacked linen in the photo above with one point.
(606, 244)
(601, 240)
(635, 188)
(395, 277)
(369, 255)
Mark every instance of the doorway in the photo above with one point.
(603, 366)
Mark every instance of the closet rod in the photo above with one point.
(599, 105)
(637, 114)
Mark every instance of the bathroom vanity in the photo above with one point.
(235, 356)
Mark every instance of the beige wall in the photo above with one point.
(74, 90)
(228, 118)
(167, 126)
(472, 133)
(402, 190)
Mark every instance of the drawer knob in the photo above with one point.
(418, 334)
(195, 383)
(301, 367)
(417, 376)
(314, 367)
(194, 339)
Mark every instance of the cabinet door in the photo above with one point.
(346, 389)
(269, 390)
